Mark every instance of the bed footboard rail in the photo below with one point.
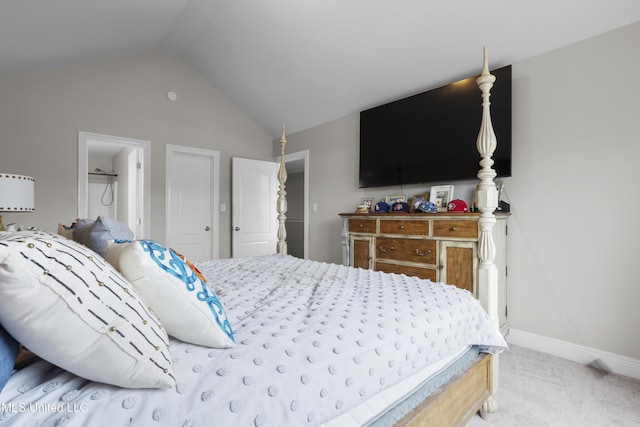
(457, 401)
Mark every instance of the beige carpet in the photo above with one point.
(539, 390)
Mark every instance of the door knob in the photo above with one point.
(207, 228)
(236, 229)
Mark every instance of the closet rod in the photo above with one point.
(103, 174)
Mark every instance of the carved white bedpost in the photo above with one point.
(282, 199)
(487, 200)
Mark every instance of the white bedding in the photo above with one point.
(314, 340)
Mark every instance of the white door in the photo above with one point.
(254, 220)
(192, 200)
(125, 162)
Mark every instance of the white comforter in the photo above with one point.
(313, 341)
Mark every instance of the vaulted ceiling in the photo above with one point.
(303, 62)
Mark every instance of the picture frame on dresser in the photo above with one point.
(392, 198)
(441, 195)
(365, 201)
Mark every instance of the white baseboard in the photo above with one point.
(578, 353)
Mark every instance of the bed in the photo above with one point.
(258, 341)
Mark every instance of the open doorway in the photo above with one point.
(297, 187)
(113, 180)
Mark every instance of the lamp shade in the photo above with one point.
(16, 193)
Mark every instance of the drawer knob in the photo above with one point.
(402, 227)
(360, 225)
(424, 253)
(453, 228)
(385, 251)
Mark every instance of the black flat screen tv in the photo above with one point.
(431, 137)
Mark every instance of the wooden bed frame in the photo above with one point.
(472, 389)
(455, 402)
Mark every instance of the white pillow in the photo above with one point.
(65, 304)
(175, 290)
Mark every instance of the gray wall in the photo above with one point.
(573, 234)
(41, 114)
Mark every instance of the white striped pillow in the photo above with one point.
(67, 305)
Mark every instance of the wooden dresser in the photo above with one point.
(441, 247)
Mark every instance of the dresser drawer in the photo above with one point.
(399, 226)
(413, 250)
(409, 270)
(455, 228)
(362, 226)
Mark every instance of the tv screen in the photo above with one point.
(431, 137)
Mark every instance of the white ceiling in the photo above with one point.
(304, 62)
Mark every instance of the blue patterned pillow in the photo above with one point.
(175, 290)
(96, 234)
(67, 305)
(8, 353)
